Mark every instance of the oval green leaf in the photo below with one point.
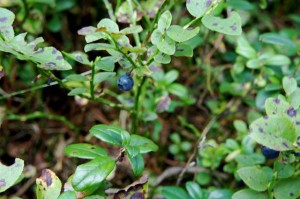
(108, 133)
(48, 185)
(254, 177)
(178, 34)
(92, 173)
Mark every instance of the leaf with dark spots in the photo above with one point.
(10, 174)
(48, 185)
(230, 26)
(291, 112)
(136, 190)
(163, 103)
(276, 100)
(46, 177)
(40, 50)
(3, 19)
(54, 51)
(197, 8)
(208, 3)
(277, 133)
(59, 58)
(2, 183)
(79, 58)
(87, 30)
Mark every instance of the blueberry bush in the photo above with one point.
(149, 99)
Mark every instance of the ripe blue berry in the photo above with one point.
(269, 153)
(125, 82)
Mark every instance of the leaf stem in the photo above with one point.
(38, 114)
(110, 10)
(92, 88)
(135, 114)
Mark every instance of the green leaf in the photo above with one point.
(87, 30)
(295, 96)
(172, 192)
(95, 36)
(178, 34)
(10, 174)
(230, 26)
(132, 30)
(6, 20)
(48, 185)
(68, 195)
(274, 38)
(78, 91)
(278, 60)
(287, 188)
(197, 8)
(164, 21)
(132, 151)
(102, 76)
(152, 6)
(284, 170)
(92, 173)
(137, 164)
(85, 151)
(171, 76)
(162, 58)
(79, 57)
(245, 49)
(220, 194)
(254, 64)
(144, 144)
(109, 24)
(179, 90)
(166, 45)
(108, 133)
(183, 50)
(194, 190)
(276, 106)
(156, 36)
(248, 194)
(98, 46)
(48, 58)
(125, 138)
(275, 132)
(106, 63)
(254, 177)
(77, 78)
(289, 85)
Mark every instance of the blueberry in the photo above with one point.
(269, 153)
(125, 82)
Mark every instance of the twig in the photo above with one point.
(38, 87)
(38, 114)
(200, 145)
